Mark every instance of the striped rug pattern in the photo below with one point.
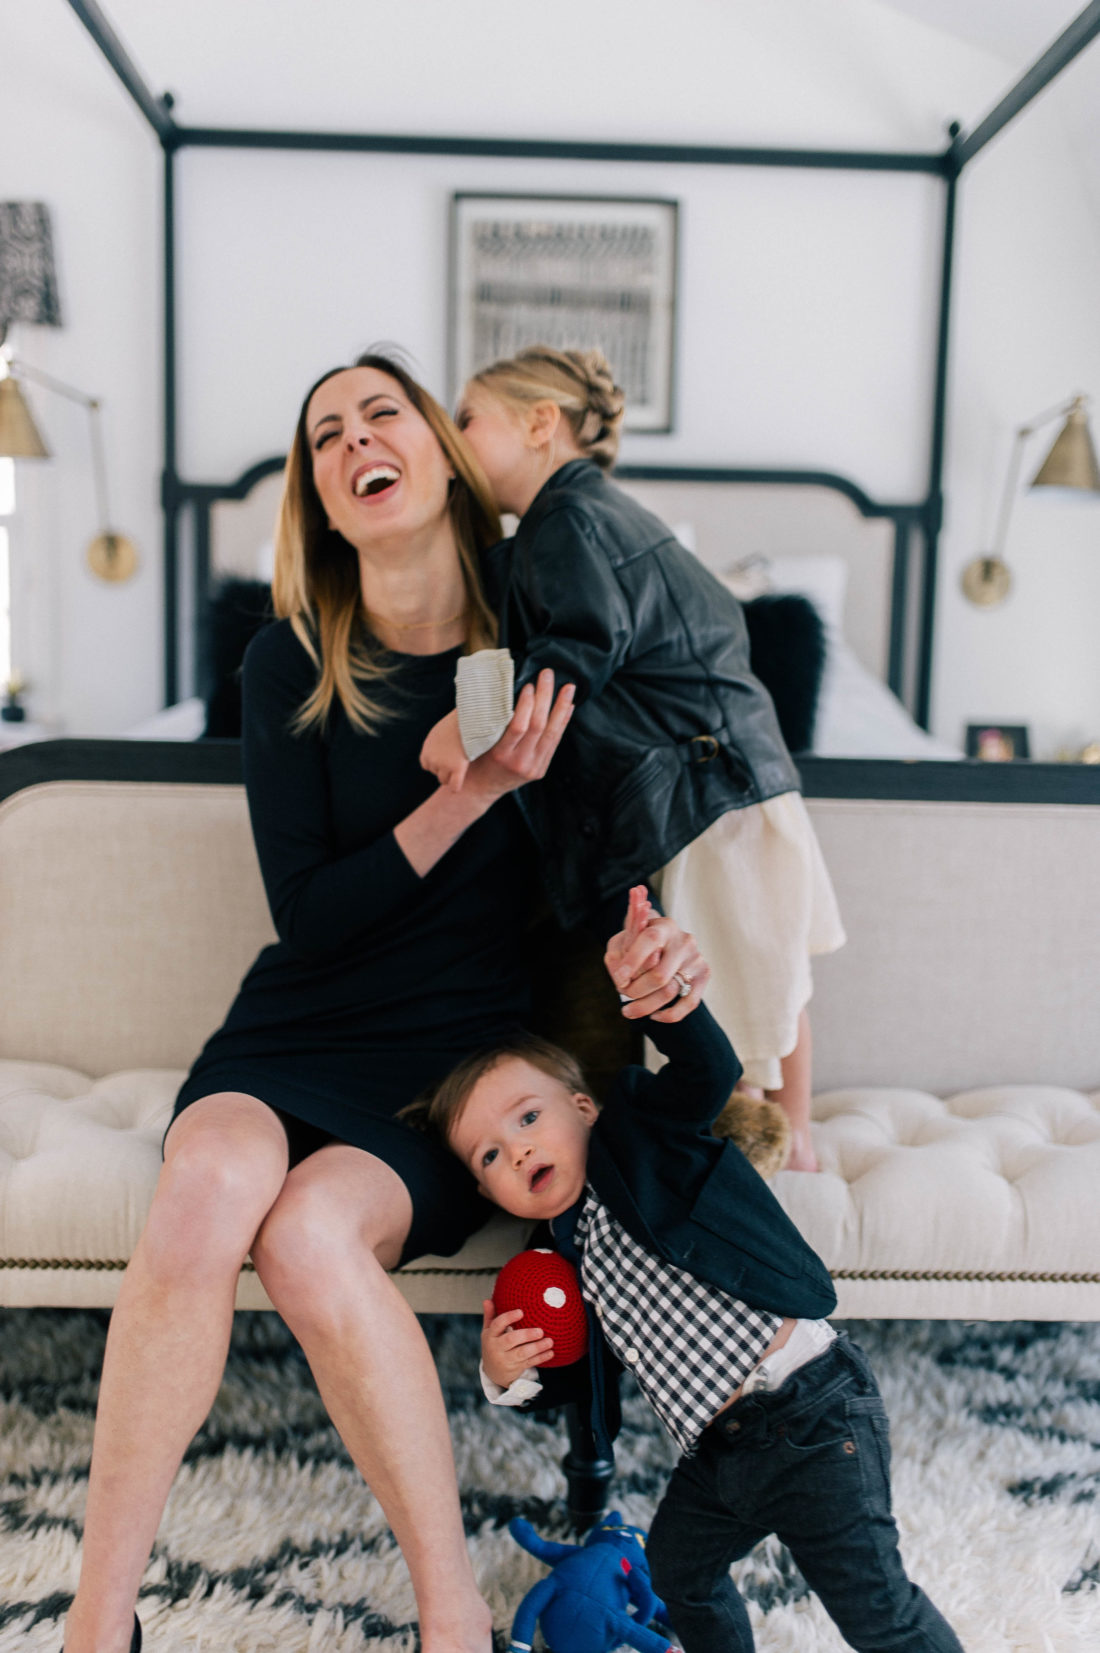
(271, 1542)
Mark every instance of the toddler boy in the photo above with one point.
(695, 1279)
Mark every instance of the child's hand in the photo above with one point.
(443, 755)
(507, 1350)
(652, 960)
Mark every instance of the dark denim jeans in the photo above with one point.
(811, 1463)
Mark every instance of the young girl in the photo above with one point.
(674, 769)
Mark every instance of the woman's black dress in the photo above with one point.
(380, 980)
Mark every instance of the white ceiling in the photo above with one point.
(360, 65)
(1017, 30)
(225, 59)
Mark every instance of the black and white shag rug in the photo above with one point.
(271, 1543)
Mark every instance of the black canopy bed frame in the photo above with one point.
(916, 524)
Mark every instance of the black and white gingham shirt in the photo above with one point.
(689, 1344)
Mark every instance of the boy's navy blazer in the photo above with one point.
(685, 1195)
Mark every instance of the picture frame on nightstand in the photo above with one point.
(997, 742)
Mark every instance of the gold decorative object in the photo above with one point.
(1089, 753)
(20, 437)
(112, 556)
(1071, 463)
(29, 295)
(986, 581)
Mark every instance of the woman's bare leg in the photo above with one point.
(342, 1218)
(796, 1096)
(225, 1162)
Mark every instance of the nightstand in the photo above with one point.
(21, 734)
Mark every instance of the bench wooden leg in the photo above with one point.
(587, 1475)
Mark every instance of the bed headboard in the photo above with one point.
(725, 514)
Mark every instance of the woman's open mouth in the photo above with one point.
(540, 1179)
(376, 479)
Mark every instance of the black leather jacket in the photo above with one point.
(672, 728)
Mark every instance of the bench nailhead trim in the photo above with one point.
(958, 1274)
(117, 1264)
(105, 1263)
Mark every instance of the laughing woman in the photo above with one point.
(283, 1142)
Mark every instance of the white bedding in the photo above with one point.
(186, 720)
(857, 715)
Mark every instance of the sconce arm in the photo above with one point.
(1008, 497)
(94, 406)
(20, 369)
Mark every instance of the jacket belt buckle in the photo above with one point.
(704, 748)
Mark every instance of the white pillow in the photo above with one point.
(857, 715)
(823, 579)
(186, 720)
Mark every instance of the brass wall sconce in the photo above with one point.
(1071, 464)
(28, 293)
(110, 555)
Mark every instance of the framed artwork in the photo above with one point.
(997, 742)
(573, 272)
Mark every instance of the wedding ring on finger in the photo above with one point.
(683, 985)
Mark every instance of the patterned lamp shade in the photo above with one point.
(28, 278)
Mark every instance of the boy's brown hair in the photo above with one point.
(440, 1109)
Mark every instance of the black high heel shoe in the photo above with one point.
(135, 1639)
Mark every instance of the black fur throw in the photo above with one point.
(786, 646)
(787, 650)
(237, 610)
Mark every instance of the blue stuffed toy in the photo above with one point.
(582, 1606)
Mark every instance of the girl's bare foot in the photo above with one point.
(802, 1156)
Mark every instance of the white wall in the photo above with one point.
(785, 345)
(806, 299)
(1026, 337)
(69, 137)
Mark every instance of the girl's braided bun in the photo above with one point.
(580, 382)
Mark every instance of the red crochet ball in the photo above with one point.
(545, 1287)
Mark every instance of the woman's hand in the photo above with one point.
(508, 1350)
(524, 750)
(649, 961)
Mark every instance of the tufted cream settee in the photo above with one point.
(957, 1036)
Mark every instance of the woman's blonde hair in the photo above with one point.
(580, 382)
(316, 582)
